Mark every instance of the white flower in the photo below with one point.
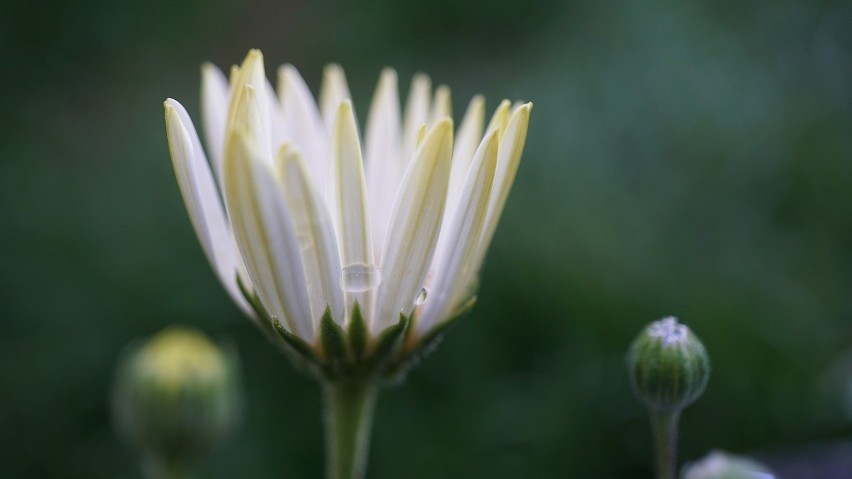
(305, 220)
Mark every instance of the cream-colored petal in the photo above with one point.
(215, 95)
(500, 118)
(251, 73)
(384, 163)
(303, 126)
(265, 234)
(508, 159)
(416, 114)
(414, 227)
(233, 75)
(461, 239)
(348, 200)
(202, 202)
(333, 91)
(467, 140)
(315, 233)
(441, 105)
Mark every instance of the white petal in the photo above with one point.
(384, 162)
(467, 139)
(461, 239)
(266, 236)
(315, 233)
(202, 201)
(416, 114)
(508, 159)
(441, 105)
(500, 118)
(348, 200)
(215, 95)
(414, 227)
(303, 126)
(333, 91)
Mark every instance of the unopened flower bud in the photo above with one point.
(721, 465)
(176, 396)
(669, 367)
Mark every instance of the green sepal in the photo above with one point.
(252, 298)
(333, 341)
(357, 333)
(295, 344)
(388, 342)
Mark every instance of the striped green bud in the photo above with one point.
(668, 366)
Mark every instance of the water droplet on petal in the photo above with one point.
(359, 277)
(421, 297)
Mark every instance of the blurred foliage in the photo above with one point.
(687, 158)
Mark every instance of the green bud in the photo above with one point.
(721, 465)
(669, 367)
(176, 397)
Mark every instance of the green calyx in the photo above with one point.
(668, 365)
(351, 353)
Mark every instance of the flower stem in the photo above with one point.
(664, 425)
(349, 409)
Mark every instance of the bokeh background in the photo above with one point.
(687, 158)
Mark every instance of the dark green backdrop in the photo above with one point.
(687, 158)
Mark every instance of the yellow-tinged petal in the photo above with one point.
(333, 91)
(315, 233)
(233, 75)
(467, 140)
(384, 162)
(349, 190)
(252, 73)
(455, 270)
(348, 193)
(509, 157)
(414, 227)
(202, 202)
(416, 114)
(442, 105)
(500, 118)
(266, 236)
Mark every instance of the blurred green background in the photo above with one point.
(686, 158)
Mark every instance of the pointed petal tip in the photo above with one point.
(287, 70)
(345, 107)
(445, 124)
(421, 77)
(388, 76)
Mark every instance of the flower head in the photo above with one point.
(721, 465)
(668, 366)
(333, 248)
(176, 396)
